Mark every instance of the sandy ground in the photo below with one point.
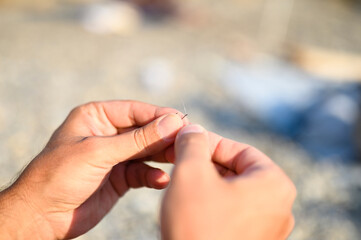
(49, 64)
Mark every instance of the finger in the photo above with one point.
(138, 143)
(168, 156)
(110, 117)
(139, 174)
(230, 158)
(164, 156)
(139, 113)
(192, 153)
(238, 157)
(117, 179)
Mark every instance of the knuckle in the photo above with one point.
(132, 177)
(84, 108)
(137, 175)
(90, 104)
(140, 140)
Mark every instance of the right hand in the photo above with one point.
(241, 195)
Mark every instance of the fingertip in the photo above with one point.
(163, 181)
(185, 120)
(158, 179)
(168, 126)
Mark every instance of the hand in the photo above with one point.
(94, 157)
(241, 195)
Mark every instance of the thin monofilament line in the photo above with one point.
(184, 108)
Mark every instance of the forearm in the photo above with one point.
(18, 219)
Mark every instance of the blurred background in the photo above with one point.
(280, 75)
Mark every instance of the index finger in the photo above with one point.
(230, 157)
(238, 157)
(112, 117)
(129, 113)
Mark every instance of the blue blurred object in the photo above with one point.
(320, 115)
(329, 128)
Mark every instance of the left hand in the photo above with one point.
(94, 157)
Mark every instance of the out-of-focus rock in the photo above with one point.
(337, 111)
(156, 9)
(157, 75)
(120, 18)
(288, 102)
(271, 90)
(327, 63)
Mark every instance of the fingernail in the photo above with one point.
(192, 128)
(169, 126)
(158, 179)
(163, 179)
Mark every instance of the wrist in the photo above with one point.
(20, 220)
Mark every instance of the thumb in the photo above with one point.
(140, 142)
(192, 153)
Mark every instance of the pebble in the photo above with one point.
(120, 18)
(157, 75)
